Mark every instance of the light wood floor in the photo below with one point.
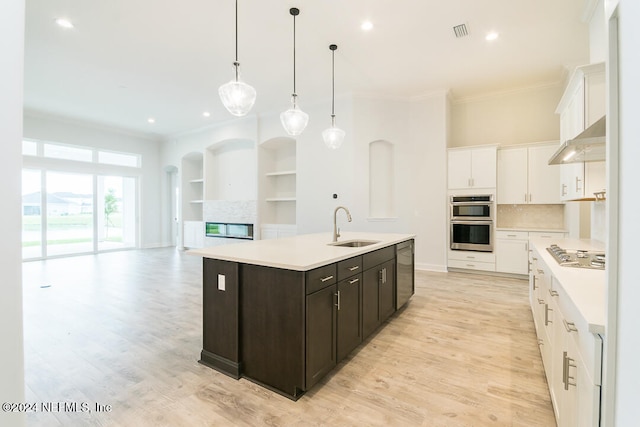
(124, 329)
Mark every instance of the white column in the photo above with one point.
(11, 335)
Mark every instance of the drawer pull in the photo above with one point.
(540, 301)
(540, 271)
(511, 235)
(569, 326)
(324, 279)
(354, 268)
(553, 293)
(471, 265)
(351, 282)
(471, 257)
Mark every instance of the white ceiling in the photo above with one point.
(129, 60)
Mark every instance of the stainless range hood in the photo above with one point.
(589, 146)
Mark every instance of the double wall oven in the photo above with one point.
(471, 222)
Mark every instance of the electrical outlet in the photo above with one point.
(221, 282)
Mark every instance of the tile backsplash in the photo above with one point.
(549, 217)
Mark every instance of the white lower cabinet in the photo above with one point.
(571, 355)
(472, 260)
(193, 234)
(512, 252)
(512, 249)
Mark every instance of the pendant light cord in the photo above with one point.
(236, 64)
(294, 54)
(333, 83)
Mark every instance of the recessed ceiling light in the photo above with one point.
(206, 114)
(367, 26)
(64, 23)
(491, 36)
(151, 120)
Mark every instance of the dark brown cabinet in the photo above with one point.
(287, 329)
(378, 289)
(349, 311)
(320, 333)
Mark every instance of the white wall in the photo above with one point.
(153, 221)
(11, 82)
(416, 128)
(627, 316)
(516, 117)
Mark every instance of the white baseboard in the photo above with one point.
(431, 267)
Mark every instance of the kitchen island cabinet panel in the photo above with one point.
(320, 334)
(220, 326)
(273, 333)
(349, 334)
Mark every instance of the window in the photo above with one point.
(70, 208)
(67, 152)
(119, 159)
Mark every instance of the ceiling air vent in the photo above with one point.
(460, 30)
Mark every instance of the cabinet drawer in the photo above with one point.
(472, 265)
(512, 235)
(378, 257)
(349, 267)
(547, 235)
(321, 277)
(472, 256)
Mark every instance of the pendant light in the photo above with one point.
(237, 96)
(294, 119)
(333, 136)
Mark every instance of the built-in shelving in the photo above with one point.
(277, 186)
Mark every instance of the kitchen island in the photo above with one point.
(284, 312)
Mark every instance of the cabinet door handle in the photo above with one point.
(338, 303)
(324, 279)
(567, 363)
(530, 198)
(540, 301)
(540, 271)
(553, 293)
(577, 186)
(569, 326)
(534, 283)
(351, 282)
(546, 315)
(564, 189)
(525, 198)
(354, 268)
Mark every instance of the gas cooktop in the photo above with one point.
(577, 258)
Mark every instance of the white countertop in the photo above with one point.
(585, 287)
(301, 253)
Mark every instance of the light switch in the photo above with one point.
(221, 282)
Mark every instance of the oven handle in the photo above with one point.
(471, 203)
(478, 222)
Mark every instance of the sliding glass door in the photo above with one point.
(117, 206)
(69, 213)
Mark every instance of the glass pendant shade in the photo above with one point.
(237, 97)
(294, 120)
(333, 137)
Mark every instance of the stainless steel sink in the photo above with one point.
(354, 243)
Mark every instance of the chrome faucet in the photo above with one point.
(336, 230)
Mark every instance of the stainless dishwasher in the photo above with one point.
(405, 286)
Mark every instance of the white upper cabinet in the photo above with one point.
(582, 104)
(472, 168)
(524, 176)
